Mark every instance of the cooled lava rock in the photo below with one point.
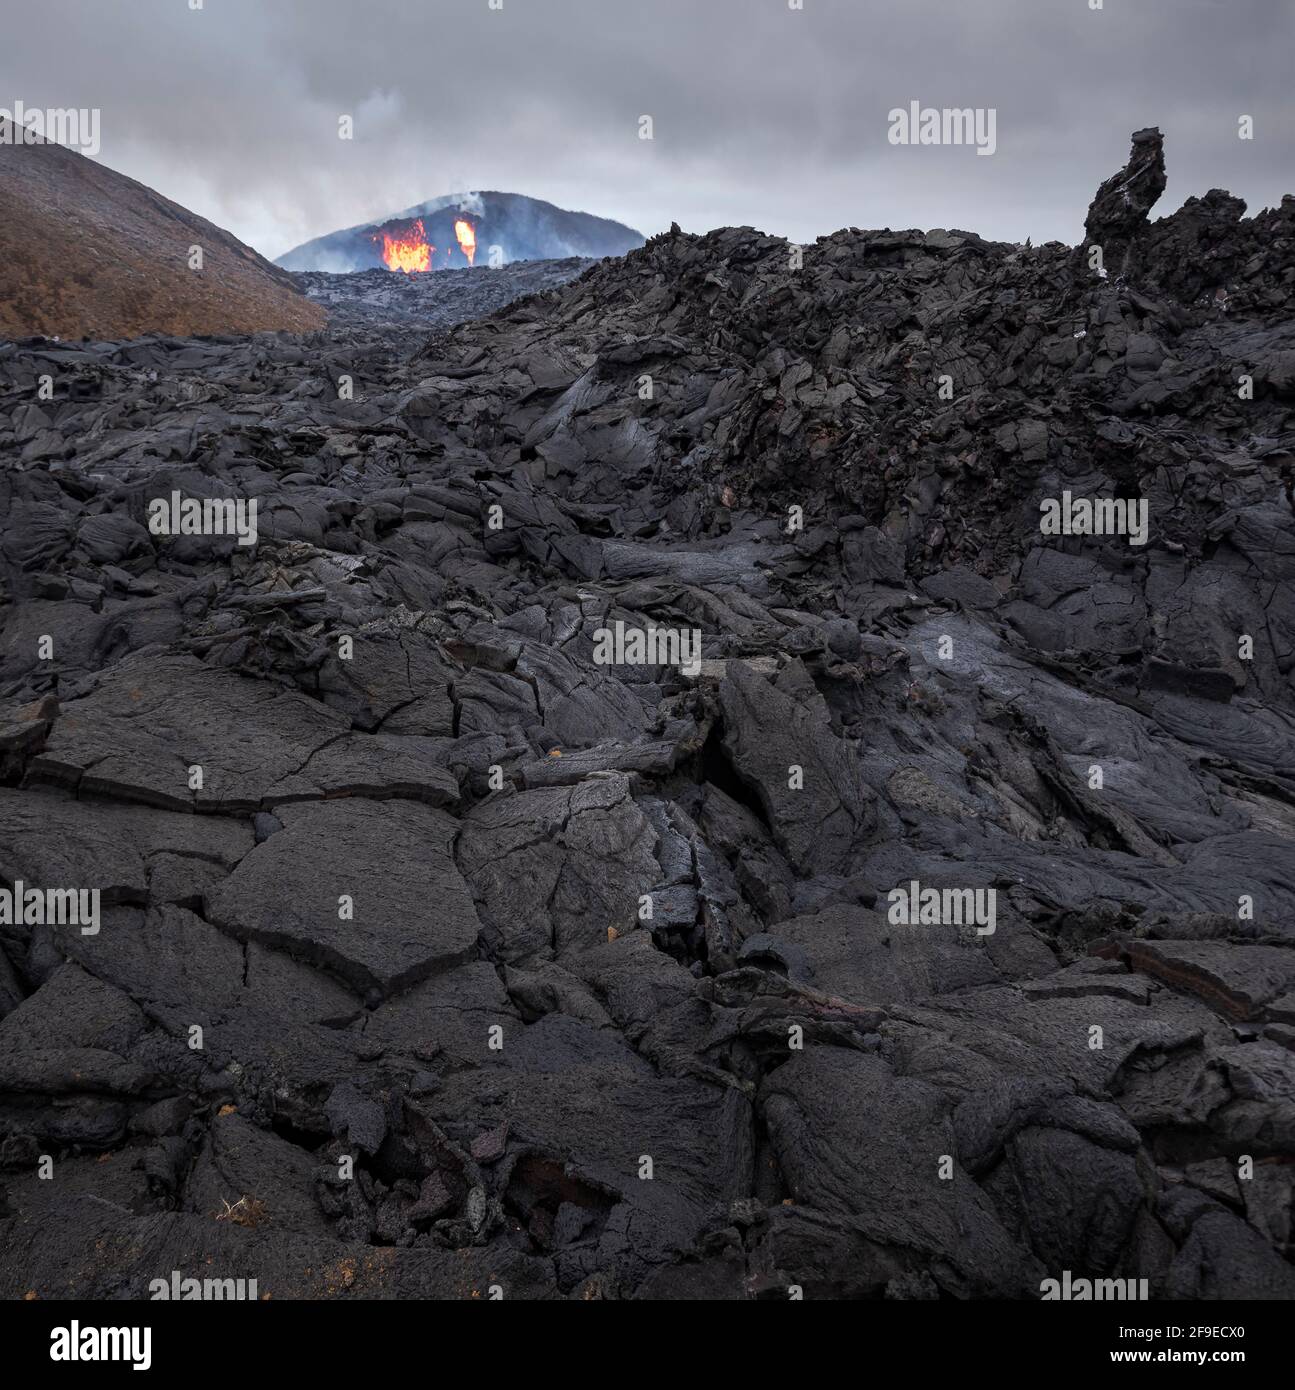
(439, 953)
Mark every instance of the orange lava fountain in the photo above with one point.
(407, 253)
(467, 239)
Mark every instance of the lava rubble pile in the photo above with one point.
(376, 1008)
(378, 299)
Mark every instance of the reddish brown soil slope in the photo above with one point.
(85, 252)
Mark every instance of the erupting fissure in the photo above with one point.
(407, 253)
(412, 251)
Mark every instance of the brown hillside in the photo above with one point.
(86, 252)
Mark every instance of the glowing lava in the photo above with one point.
(407, 253)
(467, 239)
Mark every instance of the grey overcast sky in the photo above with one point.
(763, 114)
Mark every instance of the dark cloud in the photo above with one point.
(763, 114)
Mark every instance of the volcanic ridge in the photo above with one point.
(88, 253)
(448, 233)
